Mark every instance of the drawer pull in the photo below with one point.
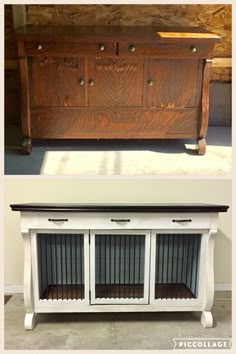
(120, 220)
(181, 220)
(150, 83)
(39, 47)
(101, 47)
(132, 48)
(91, 82)
(193, 49)
(81, 82)
(58, 220)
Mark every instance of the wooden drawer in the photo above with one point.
(127, 123)
(162, 50)
(114, 220)
(33, 48)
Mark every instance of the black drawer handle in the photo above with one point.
(58, 220)
(181, 220)
(120, 220)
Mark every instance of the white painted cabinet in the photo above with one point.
(118, 258)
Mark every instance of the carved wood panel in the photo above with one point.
(174, 83)
(55, 81)
(117, 82)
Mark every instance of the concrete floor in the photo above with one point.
(112, 331)
(153, 157)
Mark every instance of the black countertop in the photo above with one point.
(142, 208)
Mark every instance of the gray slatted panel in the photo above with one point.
(119, 265)
(177, 265)
(60, 266)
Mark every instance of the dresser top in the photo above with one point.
(143, 208)
(146, 34)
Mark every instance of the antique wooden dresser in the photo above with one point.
(118, 258)
(114, 82)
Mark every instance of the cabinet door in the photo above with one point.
(56, 81)
(115, 82)
(174, 83)
(175, 268)
(60, 267)
(119, 267)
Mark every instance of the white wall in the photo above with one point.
(77, 190)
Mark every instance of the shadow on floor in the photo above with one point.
(18, 163)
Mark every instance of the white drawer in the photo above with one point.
(90, 221)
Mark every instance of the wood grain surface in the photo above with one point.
(10, 42)
(216, 18)
(58, 48)
(165, 94)
(94, 34)
(117, 82)
(160, 50)
(176, 83)
(188, 35)
(55, 81)
(205, 100)
(126, 123)
(25, 93)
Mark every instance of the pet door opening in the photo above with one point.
(177, 266)
(119, 266)
(60, 266)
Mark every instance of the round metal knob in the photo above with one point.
(81, 82)
(193, 49)
(40, 47)
(101, 47)
(91, 82)
(150, 83)
(132, 48)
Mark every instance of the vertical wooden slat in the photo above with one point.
(134, 265)
(163, 262)
(196, 269)
(51, 265)
(82, 264)
(110, 265)
(177, 265)
(46, 261)
(129, 270)
(119, 262)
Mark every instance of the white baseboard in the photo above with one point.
(223, 287)
(14, 289)
(19, 289)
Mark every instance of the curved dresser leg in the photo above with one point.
(27, 146)
(28, 282)
(201, 146)
(207, 319)
(30, 321)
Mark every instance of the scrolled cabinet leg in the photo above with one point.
(30, 321)
(207, 319)
(201, 146)
(27, 146)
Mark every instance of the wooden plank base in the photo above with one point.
(173, 291)
(55, 292)
(119, 291)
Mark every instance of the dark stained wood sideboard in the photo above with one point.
(114, 82)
